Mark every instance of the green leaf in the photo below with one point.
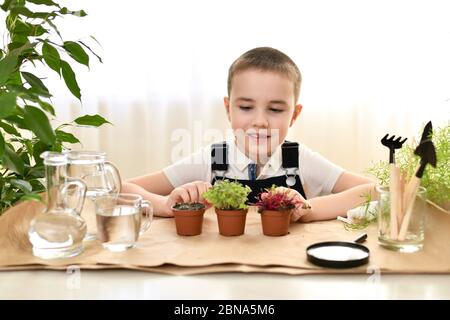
(15, 79)
(18, 40)
(66, 137)
(79, 13)
(37, 121)
(18, 26)
(31, 94)
(37, 172)
(23, 185)
(57, 146)
(51, 57)
(6, 4)
(38, 148)
(69, 79)
(2, 145)
(12, 161)
(17, 120)
(9, 129)
(11, 22)
(34, 93)
(36, 83)
(37, 30)
(92, 51)
(44, 2)
(7, 66)
(29, 14)
(7, 104)
(25, 49)
(47, 107)
(51, 24)
(29, 150)
(76, 52)
(31, 197)
(91, 120)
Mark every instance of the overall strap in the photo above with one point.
(290, 162)
(219, 157)
(289, 155)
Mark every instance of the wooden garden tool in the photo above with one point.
(394, 187)
(426, 135)
(427, 154)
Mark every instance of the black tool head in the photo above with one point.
(427, 132)
(392, 144)
(427, 153)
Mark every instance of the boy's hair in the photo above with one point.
(267, 59)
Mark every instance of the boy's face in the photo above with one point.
(261, 108)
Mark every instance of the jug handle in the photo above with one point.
(81, 189)
(148, 216)
(113, 177)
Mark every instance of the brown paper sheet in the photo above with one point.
(161, 250)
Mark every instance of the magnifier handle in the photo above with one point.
(361, 238)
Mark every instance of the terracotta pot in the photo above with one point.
(188, 222)
(276, 223)
(231, 222)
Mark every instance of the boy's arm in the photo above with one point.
(348, 192)
(333, 205)
(155, 183)
(349, 180)
(153, 187)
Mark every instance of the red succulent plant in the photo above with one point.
(277, 199)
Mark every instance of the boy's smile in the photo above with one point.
(261, 108)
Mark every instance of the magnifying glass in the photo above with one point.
(339, 254)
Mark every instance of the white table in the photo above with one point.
(128, 284)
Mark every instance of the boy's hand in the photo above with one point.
(189, 192)
(301, 209)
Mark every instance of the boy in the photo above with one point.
(263, 89)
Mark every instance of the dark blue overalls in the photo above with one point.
(219, 166)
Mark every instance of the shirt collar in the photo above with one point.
(241, 161)
(275, 160)
(238, 158)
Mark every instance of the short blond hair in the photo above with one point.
(267, 59)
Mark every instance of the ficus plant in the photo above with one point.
(26, 108)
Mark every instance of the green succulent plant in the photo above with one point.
(228, 195)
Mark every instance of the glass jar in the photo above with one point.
(101, 178)
(407, 232)
(58, 232)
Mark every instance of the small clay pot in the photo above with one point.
(276, 223)
(231, 222)
(188, 222)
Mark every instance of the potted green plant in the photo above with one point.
(436, 181)
(188, 218)
(32, 39)
(229, 199)
(275, 206)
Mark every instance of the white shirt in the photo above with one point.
(317, 174)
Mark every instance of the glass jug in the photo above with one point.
(100, 176)
(58, 232)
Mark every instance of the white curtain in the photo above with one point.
(369, 68)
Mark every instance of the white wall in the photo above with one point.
(369, 68)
